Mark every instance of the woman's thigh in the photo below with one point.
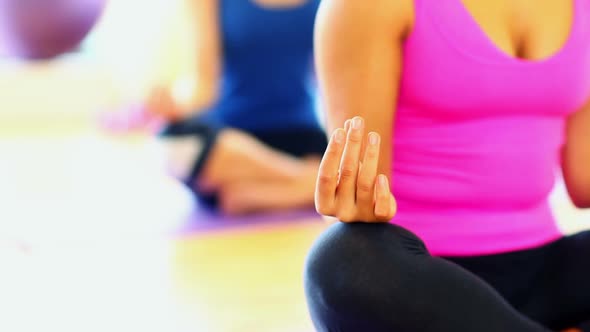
(550, 284)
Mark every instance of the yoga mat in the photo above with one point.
(204, 220)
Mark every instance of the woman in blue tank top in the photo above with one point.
(250, 127)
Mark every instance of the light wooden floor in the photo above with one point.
(232, 281)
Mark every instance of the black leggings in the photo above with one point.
(380, 278)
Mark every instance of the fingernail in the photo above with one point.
(339, 136)
(357, 123)
(373, 139)
(383, 181)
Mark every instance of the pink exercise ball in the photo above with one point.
(43, 29)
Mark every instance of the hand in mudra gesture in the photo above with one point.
(348, 185)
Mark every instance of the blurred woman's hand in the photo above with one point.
(181, 99)
(160, 102)
(348, 185)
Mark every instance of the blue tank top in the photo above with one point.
(267, 67)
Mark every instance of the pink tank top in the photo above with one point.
(478, 133)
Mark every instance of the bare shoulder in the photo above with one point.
(395, 16)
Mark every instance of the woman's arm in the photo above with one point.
(359, 61)
(198, 89)
(576, 158)
(208, 53)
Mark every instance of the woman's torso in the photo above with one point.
(478, 132)
(267, 66)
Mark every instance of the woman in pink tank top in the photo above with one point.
(472, 108)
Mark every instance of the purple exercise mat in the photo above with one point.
(202, 220)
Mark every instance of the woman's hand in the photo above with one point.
(348, 187)
(160, 102)
(180, 100)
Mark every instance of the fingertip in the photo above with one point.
(357, 123)
(374, 138)
(383, 183)
(339, 136)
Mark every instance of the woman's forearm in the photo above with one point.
(358, 63)
(199, 89)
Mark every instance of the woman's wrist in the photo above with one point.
(190, 96)
(183, 92)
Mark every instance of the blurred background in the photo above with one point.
(95, 236)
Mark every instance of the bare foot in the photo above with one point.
(238, 157)
(263, 196)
